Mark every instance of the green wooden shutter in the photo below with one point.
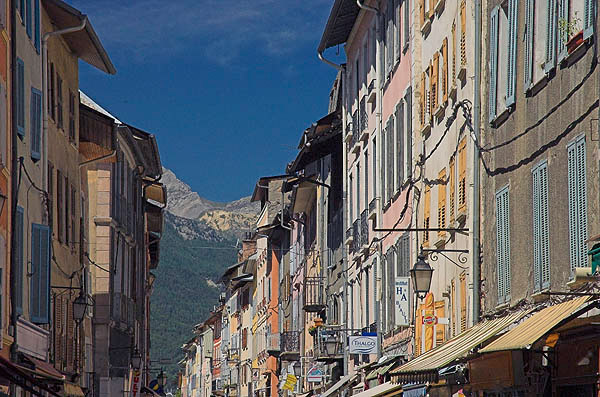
(36, 24)
(551, 31)
(408, 99)
(18, 259)
(39, 291)
(536, 230)
(577, 186)
(35, 123)
(588, 18)
(503, 244)
(529, 37)
(540, 228)
(511, 75)
(28, 17)
(390, 158)
(493, 94)
(563, 14)
(572, 188)
(400, 145)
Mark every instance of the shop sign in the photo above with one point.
(290, 382)
(362, 344)
(134, 379)
(315, 375)
(402, 302)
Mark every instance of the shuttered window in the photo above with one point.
(453, 34)
(36, 123)
(452, 188)
(442, 202)
(463, 34)
(440, 312)
(382, 170)
(426, 215)
(541, 246)
(453, 307)
(28, 17)
(36, 25)
(71, 116)
(462, 175)
(408, 129)
(551, 32)
(20, 98)
(444, 70)
(463, 301)
(577, 202)
(422, 100)
(588, 18)
(503, 244)
(40, 274)
(18, 258)
(434, 82)
(66, 212)
(512, 53)
(366, 189)
(406, 23)
(563, 15)
(374, 167)
(391, 288)
(73, 197)
(493, 56)
(529, 37)
(396, 30)
(60, 194)
(59, 101)
(390, 158)
(399, 145)
(403, 256)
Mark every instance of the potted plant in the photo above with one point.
(313, 330)
(570, 32)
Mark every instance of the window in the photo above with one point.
(374, 167)
(408, 129)
(406, 24)
(588, 18)
(403, 256)
(452, 186)
(426, 215)
(400, 161)
(390, 145)
(36, 123)
(539, 40)
(396, 17)
(577, 202)
(366, 189)
(350, 197)
(40, 274)
(463, 34)
(358, 192)
(59, 206)
(50, 91)
(28, 17)
(18, 258)
(434, 82)
(20, 98)
(384, 136)
(444, 82)
(66, 212)
(59, 101)
(50, 191)
(503, 50)
(503, 244)
(462, 175)
(453, 33)
(442, 202)
(73, 218)
(391, 288)
(71, 116)
(541, 246)
(36, 24)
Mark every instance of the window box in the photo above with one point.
(574, 42)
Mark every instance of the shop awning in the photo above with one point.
(386, 389)
(529, 331)
(156, 192)
(339, 384)
(425, 367)
(380, 371)
(73, 390)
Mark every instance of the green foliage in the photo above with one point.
(182, 297)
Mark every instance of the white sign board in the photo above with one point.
(314, 375)
(362, 344)
(402, 301)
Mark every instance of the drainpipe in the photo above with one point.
(45, 38)
(328, 62)
(476, 175)
(366, 7)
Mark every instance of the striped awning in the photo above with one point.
(532, 329)
(339, 384)
(426, 366)
(387, 389)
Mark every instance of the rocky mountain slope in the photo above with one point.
(199, 241)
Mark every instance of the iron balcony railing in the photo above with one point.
(314, 294)
(355, 128)
(364, 228)
(363, 115)
(329, 344)
(357, 239)
(290, 341)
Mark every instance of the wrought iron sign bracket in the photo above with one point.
(462, 257)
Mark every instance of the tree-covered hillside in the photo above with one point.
(182, 296)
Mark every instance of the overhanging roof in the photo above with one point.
(339, 25)
(532, 329)
(339, 384)
(456, 348)
(84, 43)
(385, 389)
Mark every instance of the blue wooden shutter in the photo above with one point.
(493, 94)
(28, 17)
(563, 14)
(36, 23)
(529, 36)
(20, 98)
(400, 144)
(40, 279)
(503, 244)
(21, 5)
(35, 123)
(511, 75)
(551, 29)
(18, 259)
(588, 18)
(540, 227)
(577, 186)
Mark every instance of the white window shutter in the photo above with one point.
(551, 36)
(572, 187)
(544, 227)
(537, 271)
(582, 202)
(588, 18)
(563, 14)
(503, 244)
(493, 56)
(512, 53)
(529, 31)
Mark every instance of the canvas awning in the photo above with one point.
(73, 390)
(532, 329)
(339, 384)
(425, 367)
(156, 192)
(385, 389)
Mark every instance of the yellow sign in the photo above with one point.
(290, 383)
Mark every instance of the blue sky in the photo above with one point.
(227, 86)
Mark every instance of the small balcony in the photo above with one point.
(290, 346)
(274, 344)
(357, 238)
(314, 294)
(364, 229)
(374, 209)
(364, 120)
(349, 236)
